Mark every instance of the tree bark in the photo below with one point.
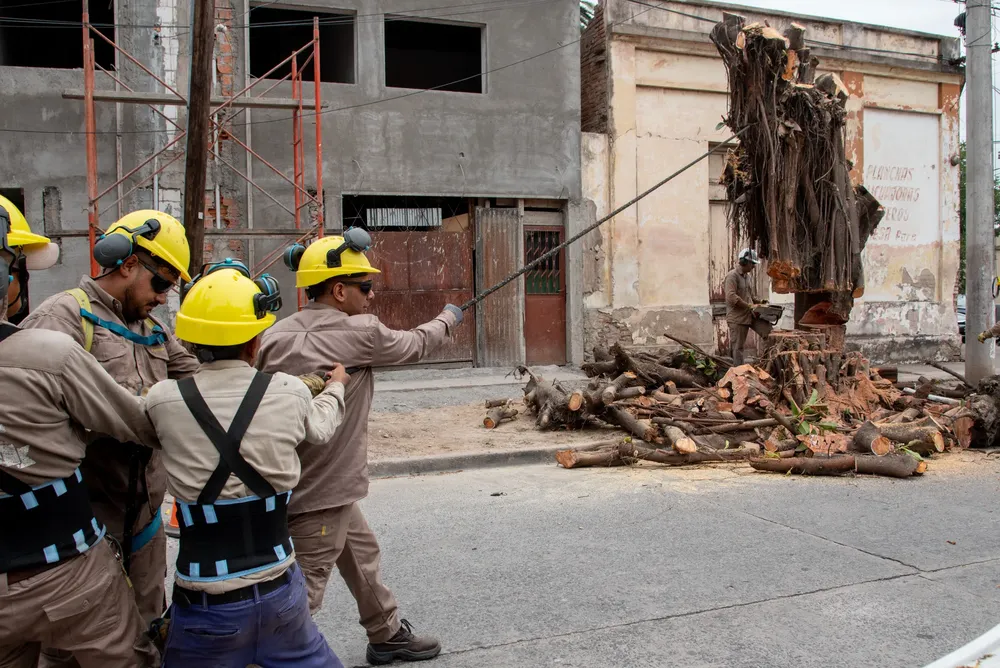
(806, 465)
(498, 415)
(867, 439)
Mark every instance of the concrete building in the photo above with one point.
(458, 184)
(654, 90)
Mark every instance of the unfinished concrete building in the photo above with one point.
(653, 93)
(452, 134)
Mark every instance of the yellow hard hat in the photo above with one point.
(329, 257)
(223, 306)
(20, 233)
(159, 233)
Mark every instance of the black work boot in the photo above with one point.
(404, 646)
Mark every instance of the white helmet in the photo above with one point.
(749, 255)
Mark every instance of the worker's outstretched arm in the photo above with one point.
(991, 333)
(393, 346)
(326, 409)
(98, 403)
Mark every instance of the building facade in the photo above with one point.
(452, 134)
(654, 91)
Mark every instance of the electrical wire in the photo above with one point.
(331, 19)
(337, 109)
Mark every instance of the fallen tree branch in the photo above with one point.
(942, 367)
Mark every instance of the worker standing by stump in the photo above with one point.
(741, 306)
(229, 436)
(60, 581)
(143, 256)
(326, 523)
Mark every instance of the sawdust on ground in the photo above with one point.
(455, 429)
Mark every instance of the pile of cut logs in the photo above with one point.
(806, 409)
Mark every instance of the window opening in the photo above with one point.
(443, 56)
(49, 34)
(276, 33)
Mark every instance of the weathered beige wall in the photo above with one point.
(655, 264)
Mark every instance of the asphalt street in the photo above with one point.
(539, 566)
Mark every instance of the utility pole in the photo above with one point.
(979, 237)
(198, 112)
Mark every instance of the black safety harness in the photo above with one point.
(233, 537)
(46, 524)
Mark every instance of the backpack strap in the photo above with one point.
(88, 327)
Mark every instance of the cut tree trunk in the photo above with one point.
(641, 429)
(897, 465)
(571, 459)
(867, 439)
(498, 415)
(679, 440)
(806, 465)
(908, 435)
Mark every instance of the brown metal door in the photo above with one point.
(500, 317)
(421, 272)
(544, 298)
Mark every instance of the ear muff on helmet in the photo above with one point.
(267, 301)
(293, 256)
(111, 250)
(355, 239)
(5, 267)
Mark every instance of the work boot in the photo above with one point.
(405, 646)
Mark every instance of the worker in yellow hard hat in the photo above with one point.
(236, 564)
(36, 252)
(325, 519)
(143, 256)
(59, 578)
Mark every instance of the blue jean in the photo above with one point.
(272, 631)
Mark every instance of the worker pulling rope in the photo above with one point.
(576, 237)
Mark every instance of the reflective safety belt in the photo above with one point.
(88, 320)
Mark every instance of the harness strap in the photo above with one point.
(228, 443)
(88, 320)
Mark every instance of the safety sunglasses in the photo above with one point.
(158, 283)
(364, 286)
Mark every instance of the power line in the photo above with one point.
(330, 111)
(329, 20)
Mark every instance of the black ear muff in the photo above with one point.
(293, 256)
(269, 299)
(112, 249)
(5, 278)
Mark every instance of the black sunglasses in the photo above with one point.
(364, 286)
(158, 283)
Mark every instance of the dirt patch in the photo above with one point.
(452, 429)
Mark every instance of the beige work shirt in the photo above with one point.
(336, 473)
(52, 391)
(136, 368)
(287, 416)
(739, 298)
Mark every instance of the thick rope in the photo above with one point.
(576, 237)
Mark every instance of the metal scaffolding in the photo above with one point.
(242, 100)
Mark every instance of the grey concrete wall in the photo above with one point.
(520, 138)
(51, 168)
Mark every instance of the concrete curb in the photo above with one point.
(408, 466)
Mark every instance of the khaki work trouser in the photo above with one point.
(148, 573)
(341, 536)
(84, 606)
(738, 337)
